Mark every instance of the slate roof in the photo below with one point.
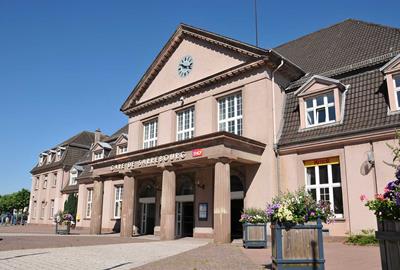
(343, 45)
(339, 45)
(75, 147)
(88, 156)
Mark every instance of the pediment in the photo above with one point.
(210, 52)
(101, 146)
(122, 139)
(392, 66)
(318, 84)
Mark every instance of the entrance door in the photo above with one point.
(147, 220)
(236, 226)
(184, 219)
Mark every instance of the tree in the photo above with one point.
(71, 204)
(17, 200)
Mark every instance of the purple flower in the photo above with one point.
(398, 173)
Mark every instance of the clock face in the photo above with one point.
(185, 66)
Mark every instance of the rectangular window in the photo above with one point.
(42, 210)
(320, 110)
(122, 149)
(51, 209)
(323, 182)
(150, 134)
(49, 157)
(185, 124)
(99, 155)
(72, 178)
(34, 209)
(118, 201)
(54, 179)
(396, 81)
(45, 182)
(89, 203)
(36, 182)
(230, 114)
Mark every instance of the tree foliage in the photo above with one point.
(17, 200)
(71, 204)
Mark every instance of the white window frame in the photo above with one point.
(185, 124)
(51, 209)
(37, 180)
(72, 178)
(118, 201)
(55, 179)
(150, 132)
(396, 90)
(223, 113)
(45, 178)
(89, 201)
(317, 186)
(326, 105)
(99, 154)
(123, 148)
(59, 154)
(34, 209)
(42, 210)
(49, 157)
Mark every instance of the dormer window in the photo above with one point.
(320, 102)
(392, 75)
(42, 158)
(122, 149)
(59, 153)
(73, 174)
(49, 157)
(320, 110)
(396, 82)
(122, 144)
(98, 154)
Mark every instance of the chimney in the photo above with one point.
(97, 135)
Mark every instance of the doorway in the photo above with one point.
(184, 219)
(184, 208)
(237, 195)
(147, 204)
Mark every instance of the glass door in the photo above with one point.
(179, 219)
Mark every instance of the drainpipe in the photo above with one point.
(371, 160)
(275, 146)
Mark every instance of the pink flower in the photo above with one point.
(363, 197)
(379, 197)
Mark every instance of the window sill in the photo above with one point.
(115, 218)
(320, 126)
(339, 220)
(86, 218)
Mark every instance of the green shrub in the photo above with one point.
(365, 238)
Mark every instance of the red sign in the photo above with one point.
(197, 152)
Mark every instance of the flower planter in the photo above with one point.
(63, 228)
(297, 247)
(254, 235)
(388, 235)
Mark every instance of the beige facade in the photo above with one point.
(237, 126)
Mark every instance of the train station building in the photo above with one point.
(216, 125)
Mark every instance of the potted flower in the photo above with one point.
(63, 222)
(254, 227)
(296, 230)
(386, 208)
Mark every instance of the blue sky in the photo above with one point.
(67, 66)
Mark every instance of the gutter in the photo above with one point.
(275, 145)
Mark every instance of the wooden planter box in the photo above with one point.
(254, 235)
(388, 235)
(297, 247)
(63, 228)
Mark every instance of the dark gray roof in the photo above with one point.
(366, 108)
(75, 147)
(339, 45)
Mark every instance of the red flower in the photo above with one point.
(379, 197)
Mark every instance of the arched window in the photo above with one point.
(185, 186)
(236, 184)
(147, 190)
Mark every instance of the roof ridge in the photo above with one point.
(334, 25)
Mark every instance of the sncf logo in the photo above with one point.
(197, 152)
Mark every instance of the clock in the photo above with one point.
(185, 66)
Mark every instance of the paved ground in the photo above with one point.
(33, 247)
(38, 229)
(117, 256)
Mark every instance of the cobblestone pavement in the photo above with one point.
(117, 256)
(209, 257)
